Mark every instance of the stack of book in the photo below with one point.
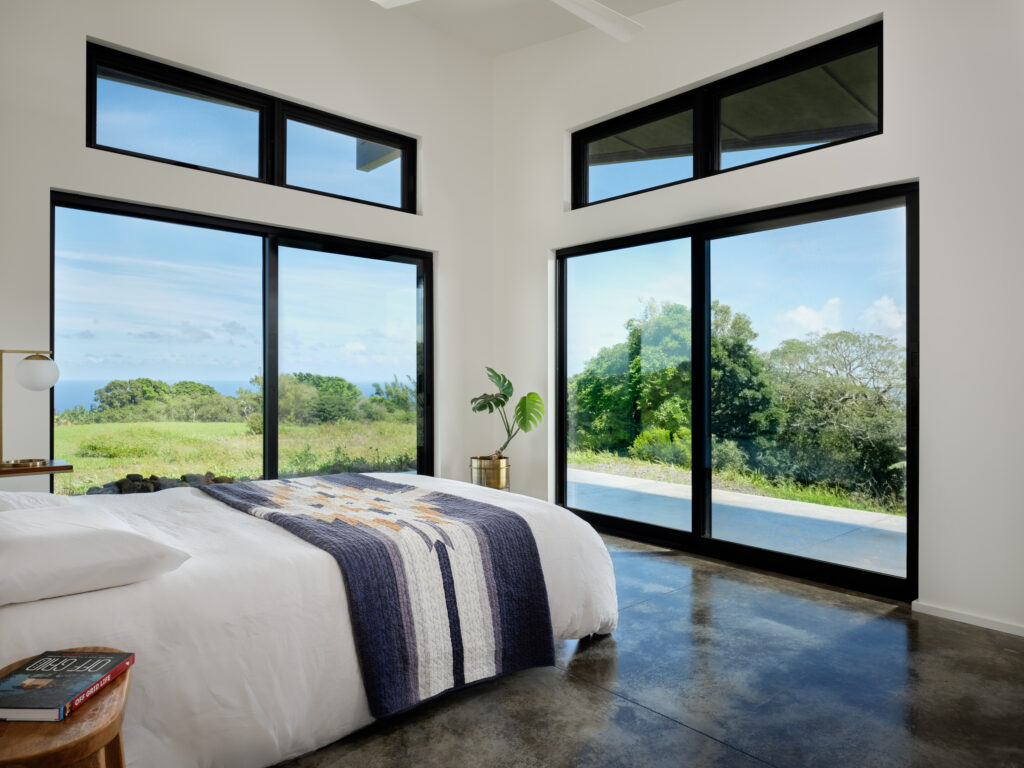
(56, 683)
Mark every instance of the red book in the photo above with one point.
(56, 683)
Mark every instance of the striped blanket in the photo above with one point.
(443, 591)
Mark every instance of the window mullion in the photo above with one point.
(270, 357)
(700, 385)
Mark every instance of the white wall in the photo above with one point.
(954, 73)
(953, 79)
(348, 57)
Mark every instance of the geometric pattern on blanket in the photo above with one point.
(443, 591)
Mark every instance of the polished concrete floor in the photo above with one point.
(714, 665)
(855, 537)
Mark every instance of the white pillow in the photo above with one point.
(54, 551)
(31, 500)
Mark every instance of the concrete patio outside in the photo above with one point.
(869, 540)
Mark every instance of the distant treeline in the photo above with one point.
(303, 398)
(828, 409)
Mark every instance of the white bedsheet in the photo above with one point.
(245, 655)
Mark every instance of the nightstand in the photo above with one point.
(90, 737)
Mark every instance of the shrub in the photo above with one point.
(120, 447)
(370, 411)
(254, 424)
(727, 455)
(660, 445)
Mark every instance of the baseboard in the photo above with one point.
(967, 618)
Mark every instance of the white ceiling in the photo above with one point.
(504, 25)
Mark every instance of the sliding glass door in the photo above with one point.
(764, 411)
(809, 390)
(629, 379)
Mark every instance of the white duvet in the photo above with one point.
(245, 655)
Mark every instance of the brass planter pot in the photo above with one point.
(490, 472)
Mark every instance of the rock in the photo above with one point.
(135, 483)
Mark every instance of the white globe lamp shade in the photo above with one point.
(37, 372)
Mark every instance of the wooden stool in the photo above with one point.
(90, 737)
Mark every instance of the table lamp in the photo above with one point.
(36, 372)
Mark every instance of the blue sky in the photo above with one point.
(326, 160)
(613, 179)
(141, 298)
(346, 316)
(839, 274)
(226, 137)
(137, 298)
(145, 298)
(178, 127)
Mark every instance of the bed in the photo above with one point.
(245, 653)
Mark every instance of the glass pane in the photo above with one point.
(834, 101)
(808, 390)
(659, 152)
(350, 329)
(152, 118)
(628, 362)
(159, 336)
(334, 162)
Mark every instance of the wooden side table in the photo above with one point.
(90, 737)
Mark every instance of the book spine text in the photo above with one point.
(99, 685)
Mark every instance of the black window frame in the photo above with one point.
(328, 122)
(698, 540)
(705, 102)
(273, 112)
(273, 238)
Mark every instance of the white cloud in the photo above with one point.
(885, 317)
(354, 348)
(804, 320)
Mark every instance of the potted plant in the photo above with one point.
(493, 471)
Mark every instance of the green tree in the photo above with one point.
(122, 394)
(844, 412)
(396, 397)
(296, 400)
(336, 399)
(743, 403)
(642, 382)
(191, 389)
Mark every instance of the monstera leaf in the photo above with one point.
(488, 402)
(529, 411)
(501, 382)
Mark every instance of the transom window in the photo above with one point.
(817, 97)
(147, 109)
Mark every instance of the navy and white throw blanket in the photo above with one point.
(443, 591)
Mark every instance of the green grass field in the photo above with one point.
(105, 452)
